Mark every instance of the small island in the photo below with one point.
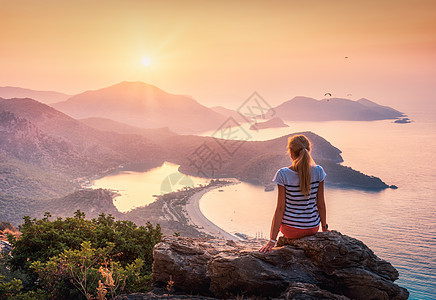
(403, 121)
(272, 123)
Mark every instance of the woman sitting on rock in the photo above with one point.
(300, 204)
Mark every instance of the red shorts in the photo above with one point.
(295, 233)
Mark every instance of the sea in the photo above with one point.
(397, 224)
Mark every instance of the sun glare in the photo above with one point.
(146, 61)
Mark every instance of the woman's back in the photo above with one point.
(300, 200)
(300, 210)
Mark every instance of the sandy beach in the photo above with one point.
(203, 224)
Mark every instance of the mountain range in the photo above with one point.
(45, 154)
(46, 97)
(142, 105)
(146, 106)
(95, 149)
(43, 151)
(309, 109)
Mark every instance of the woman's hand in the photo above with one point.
(267, 247)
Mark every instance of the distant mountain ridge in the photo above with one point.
(146, 106)
(45, 153)
(104, 124)
(229, 113)
(143, 105)
(46, 97)
(36, 137)
(308, 109)
(104, 148)
(54, 140)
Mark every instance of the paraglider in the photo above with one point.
(327, 94)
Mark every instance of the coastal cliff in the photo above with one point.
(327, 265)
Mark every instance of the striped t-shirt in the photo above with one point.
(300, 211)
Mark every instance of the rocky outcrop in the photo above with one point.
(327, 265)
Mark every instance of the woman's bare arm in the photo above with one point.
(320, 204)
(277, 219)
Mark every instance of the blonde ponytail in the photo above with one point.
(299, 148)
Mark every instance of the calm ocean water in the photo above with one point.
(136, 189)
(398, 225)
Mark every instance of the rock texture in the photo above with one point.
(327, 265)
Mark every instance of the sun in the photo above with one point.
(146, 61)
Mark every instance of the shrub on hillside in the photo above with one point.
(49, 248)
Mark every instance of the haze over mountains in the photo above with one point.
(96, 146)
(45, 153)
(143, 105)
(46, 97)
(309, 109)
(43, 150)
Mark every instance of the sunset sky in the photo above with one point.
(222, 51)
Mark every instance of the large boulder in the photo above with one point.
(327, 265)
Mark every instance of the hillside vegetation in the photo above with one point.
(78, 258)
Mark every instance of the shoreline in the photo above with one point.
(200, 222)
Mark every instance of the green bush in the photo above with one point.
(9, 289)
(92, 272)
(48, 247)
